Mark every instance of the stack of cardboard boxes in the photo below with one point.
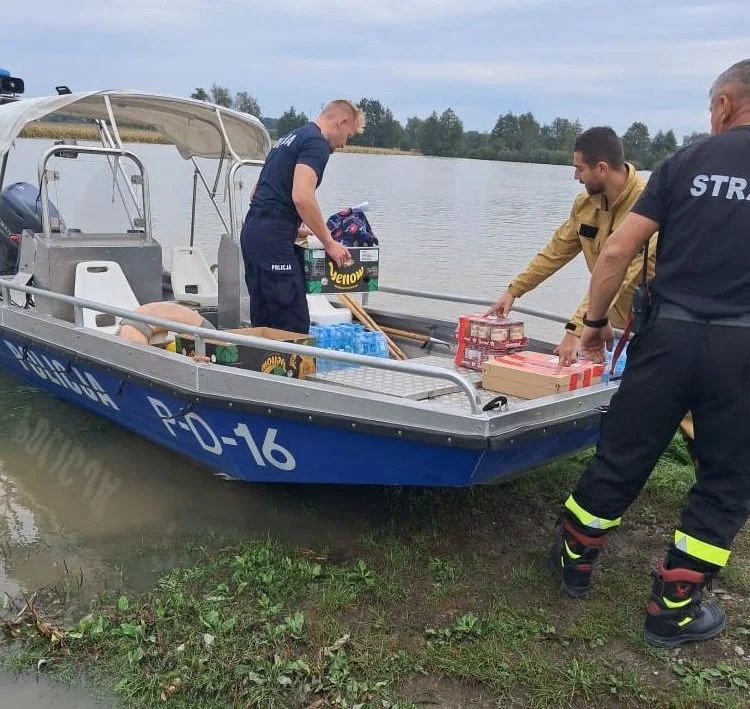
(480, 338)
(496, 347)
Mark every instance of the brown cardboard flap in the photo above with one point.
(270, 333)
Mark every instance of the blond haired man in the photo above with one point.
(282, 200)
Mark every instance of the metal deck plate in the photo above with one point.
(448, 363)
(382, 381)
(458, 399)
(401, 384)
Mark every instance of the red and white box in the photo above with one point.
(531, 375)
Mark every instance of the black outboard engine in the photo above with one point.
(20, 208)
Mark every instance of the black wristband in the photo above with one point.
(571, 327)
(595, 323)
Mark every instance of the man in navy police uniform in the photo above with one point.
(692, 354)
(283, 199)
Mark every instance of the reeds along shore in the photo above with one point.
(80, 131)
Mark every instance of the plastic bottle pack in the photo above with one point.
(347, 338)
(619, 365)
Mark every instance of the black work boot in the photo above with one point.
(572, 557)
(675, 613)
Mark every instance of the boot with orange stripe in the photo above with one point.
(675, 613)
(572, 558)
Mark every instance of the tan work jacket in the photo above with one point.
(590, 222)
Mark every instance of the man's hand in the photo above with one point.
(304, 231)
(594, 340)
(567, 350)
(503, 305)
(338, 252)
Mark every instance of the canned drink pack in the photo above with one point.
(492, 333)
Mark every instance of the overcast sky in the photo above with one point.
(603, 63)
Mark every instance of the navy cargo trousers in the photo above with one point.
(675, 366)
(274, 273)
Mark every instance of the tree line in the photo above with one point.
(514, 137)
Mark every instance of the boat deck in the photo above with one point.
(436, 392)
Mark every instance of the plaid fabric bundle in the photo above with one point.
(351, 228)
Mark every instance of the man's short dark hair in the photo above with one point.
(600, 144)
(737, 76)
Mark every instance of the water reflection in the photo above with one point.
(33, 692)
(81, 495)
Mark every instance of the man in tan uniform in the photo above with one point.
(612, 187)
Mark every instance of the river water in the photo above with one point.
(78, 522)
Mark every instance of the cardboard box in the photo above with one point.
(322, 275)
(531, 375)
(258, 359)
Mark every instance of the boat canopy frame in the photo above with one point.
(197, 129)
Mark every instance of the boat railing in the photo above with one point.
(453, 298)
(45, 176)
(234, 218)
(201, 334)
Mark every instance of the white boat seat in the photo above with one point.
(323, 313)
(103, 282)
(192, 279)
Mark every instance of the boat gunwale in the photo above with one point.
(202, 334)
(199, 383)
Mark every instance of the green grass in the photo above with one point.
(450, 593)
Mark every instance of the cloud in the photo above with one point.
(551, 57)
(147, 16)
(390, 12)
(651, 64)
(139, 16)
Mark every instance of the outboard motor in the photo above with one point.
(20, 208)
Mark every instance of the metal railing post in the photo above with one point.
(236, 224)
(90, 150)
(78, 315)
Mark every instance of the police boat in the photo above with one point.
(420, 421)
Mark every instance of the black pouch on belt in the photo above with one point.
(642, 303)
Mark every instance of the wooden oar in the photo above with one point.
(426, 339)
(361, 314)
(407, 335)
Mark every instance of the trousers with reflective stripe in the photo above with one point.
(674, 367)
